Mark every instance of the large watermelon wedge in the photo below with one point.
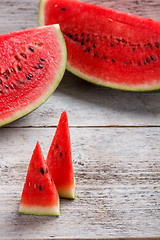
(105, 46)
(39, 196)
(33, 62)
(59, 160)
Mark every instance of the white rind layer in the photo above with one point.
(41, 12)
(136, 88)
(37, 210)
(66, 192)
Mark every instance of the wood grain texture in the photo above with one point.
(16, 14)
(117, 185)
(115, 145)
(91, 105)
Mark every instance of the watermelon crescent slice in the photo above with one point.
(59, 160)
(105, 46)
(39, 196)
(33, 62)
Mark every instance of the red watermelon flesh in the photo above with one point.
(59, 160)
(33, 62)
(39, 194)
(106, 46)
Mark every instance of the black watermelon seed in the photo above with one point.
(6, 86)
(87, 50)
(95, 54)
(147, 60)
(133, 49)
(23, 55)
(19, 68)
(152, 58)
(5, 75)
(0, 81)
(20, 81)
(31, 49)
(60, 154)
(139, 63)
(42, 171)
(157, 45)
(104, 57)
(40, 65)
(82, 43)
(94, 45)
(28, 77)
(82, 34)
(76, 39)
(87, 40)
(63, 9)
(149, 45)
(37, 67)
(42, 59)
(12, 86)
(17, 58)
(57, 146)
(111, 44)
(76, 35)
(40, 188)
(113, 59)
(46, 170)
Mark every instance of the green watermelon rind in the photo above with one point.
(95, 80)
(41, 211)
(51, 88)
(133, 88)
(41, 12)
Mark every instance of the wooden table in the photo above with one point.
(115, 139)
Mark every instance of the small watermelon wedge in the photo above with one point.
(59, 160)
(39, 196)
(33, 62)
(105, 46)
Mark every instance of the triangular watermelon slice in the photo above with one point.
(59, 160)
(39, 196)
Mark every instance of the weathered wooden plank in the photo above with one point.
(91, 105)
(16, 14)
(86, 104)
(118, 184)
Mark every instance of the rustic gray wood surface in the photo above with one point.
(115, 138)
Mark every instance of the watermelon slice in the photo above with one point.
(105, 46)
(33, 62)
(59, 160)
(39, 194)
